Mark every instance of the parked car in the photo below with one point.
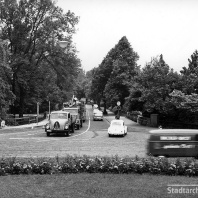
(97, 114)
(117, 127)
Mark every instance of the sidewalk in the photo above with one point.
(33, 125)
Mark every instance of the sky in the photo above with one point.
(152, 27)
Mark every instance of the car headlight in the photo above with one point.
(66, 126)
(47, 126)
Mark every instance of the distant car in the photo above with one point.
(95, 106)
(97, 114)
(117, 127)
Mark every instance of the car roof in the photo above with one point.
(174, 131)
(117, 121)
(59, 112)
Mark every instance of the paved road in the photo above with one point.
(91, 140)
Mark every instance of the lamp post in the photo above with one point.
(49, 107)
(63, 45)
(37, 112)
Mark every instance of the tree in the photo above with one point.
(33, 29)
(153, 86)
(80, 85)
(6, 95)
(121, 57)
(189, 80)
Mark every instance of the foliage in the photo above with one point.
(86, 164)
(6, 95)
(189, 79)
(110, 79)
(80, 88)
(152, 88)
(33, 29)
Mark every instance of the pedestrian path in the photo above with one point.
(32, 125)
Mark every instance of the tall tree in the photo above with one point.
(33, 28)
(153, 86)
(121, 57)
(189, 81)
(6, 95)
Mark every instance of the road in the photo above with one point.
(92, 139)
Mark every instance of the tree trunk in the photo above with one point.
(13, 110)
(105, 108)
(21, 103)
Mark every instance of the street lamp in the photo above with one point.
(49, 107)
(63, 44)
(37, 112)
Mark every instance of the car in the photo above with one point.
(97, 115)
(59, 122)
(173, 143)
(117, 127)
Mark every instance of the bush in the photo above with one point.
(114, 164)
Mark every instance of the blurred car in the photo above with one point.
(173, 143)
(97, 114)
(117, 127)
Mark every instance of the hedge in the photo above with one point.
(87, 164)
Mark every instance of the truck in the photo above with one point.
(76, 115)
(60, 122)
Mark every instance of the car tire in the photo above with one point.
(48, 134)
(81, 123)
(78, 127)
(72, 128)
(109, 135)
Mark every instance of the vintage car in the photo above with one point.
(97, 114)
(59, 122)
(117, 127)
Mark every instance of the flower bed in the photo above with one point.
(86, 164)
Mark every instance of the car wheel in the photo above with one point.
(48, 134)
(78, 127)
(109, 135)
(72, 128)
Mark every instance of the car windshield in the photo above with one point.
(58, 116)
(116, 124)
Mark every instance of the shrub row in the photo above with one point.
(86, 164)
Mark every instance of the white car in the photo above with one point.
(97, 114)
(117, 127)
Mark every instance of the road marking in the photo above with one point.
(84, 131)
(31, 138)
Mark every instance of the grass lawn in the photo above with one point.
(91, 185)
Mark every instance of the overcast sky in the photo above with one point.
(152, 27)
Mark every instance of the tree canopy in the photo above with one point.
(39, 65)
